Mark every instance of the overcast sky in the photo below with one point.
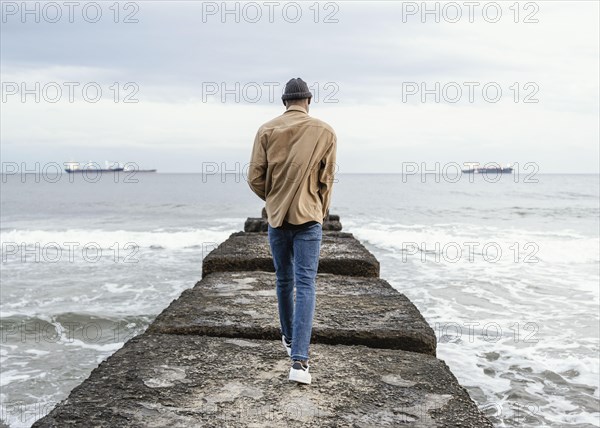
(367, 63)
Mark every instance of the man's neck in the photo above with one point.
(296, 107)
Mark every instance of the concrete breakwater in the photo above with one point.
(214, 357)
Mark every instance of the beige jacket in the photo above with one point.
(292, 167)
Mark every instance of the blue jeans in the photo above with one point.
(296, 260)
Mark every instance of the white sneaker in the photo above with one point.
(299, 373)
(287, 345)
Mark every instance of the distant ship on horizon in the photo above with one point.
(493, 168)
(74, 167)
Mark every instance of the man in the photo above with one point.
(292, 168)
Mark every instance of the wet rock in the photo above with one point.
(341, 254)
(253, 224)
(349, 310)
(164, 380)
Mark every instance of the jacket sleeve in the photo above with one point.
(326, 176)
(257, 170)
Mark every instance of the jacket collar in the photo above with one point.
(296, 108)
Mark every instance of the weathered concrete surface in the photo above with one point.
(255, 224)
(350, 310)
(341, 254)
(163, 380)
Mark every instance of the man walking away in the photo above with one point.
(292, 169)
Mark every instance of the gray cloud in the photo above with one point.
(172, 55)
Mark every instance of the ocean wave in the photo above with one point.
(106, 239)
(558, 246)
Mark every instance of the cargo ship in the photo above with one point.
(74, 167)
(490, 168)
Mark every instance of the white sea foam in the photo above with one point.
(9, 376)
(37, 352)
(557, 246)
(106, 239)
(107, 348)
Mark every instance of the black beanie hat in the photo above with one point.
(295, 89)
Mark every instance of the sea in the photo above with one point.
(505, 269)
